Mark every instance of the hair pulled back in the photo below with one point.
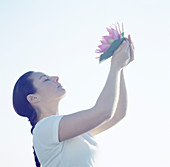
(23, 87)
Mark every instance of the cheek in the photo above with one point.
(50, 91)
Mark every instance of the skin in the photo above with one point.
(110, 106)
(49, 93)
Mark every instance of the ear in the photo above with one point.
(32, 98)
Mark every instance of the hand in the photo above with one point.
(121, 56)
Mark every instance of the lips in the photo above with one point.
(59, 86)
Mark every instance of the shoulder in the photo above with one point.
(47, 123)
(46, 130)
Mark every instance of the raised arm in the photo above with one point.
(120, 109)
(122, 102)
(77, 123)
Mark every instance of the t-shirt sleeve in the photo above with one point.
(47, 131)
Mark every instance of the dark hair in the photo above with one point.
(23, 87)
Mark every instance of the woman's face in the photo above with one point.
(48, 87)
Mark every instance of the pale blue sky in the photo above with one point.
(59, 38)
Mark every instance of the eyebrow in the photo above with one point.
(42, 76)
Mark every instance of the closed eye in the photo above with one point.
(47, 80)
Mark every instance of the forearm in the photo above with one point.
(122, 102)
(120, 110)
(108, 99)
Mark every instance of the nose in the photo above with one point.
(55, 78)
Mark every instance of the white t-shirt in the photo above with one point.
(79, 151)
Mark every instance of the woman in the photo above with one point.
(67, 140)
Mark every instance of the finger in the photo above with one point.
(123, 44)
(126, 47)
(129, 38)
(131, 43)
(131, 49)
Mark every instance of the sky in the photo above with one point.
(60, 38)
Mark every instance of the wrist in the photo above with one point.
(115, 67)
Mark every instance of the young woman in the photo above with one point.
(67, 140)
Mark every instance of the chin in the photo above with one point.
(63, 94)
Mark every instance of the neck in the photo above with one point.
(47, 109)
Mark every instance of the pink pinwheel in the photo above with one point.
(106, 41)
